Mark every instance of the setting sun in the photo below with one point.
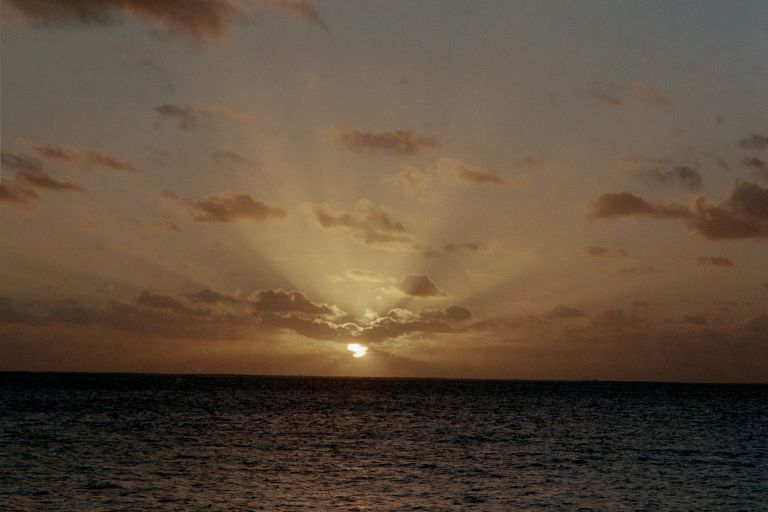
(357, 349)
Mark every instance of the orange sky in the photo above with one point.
(496, 189)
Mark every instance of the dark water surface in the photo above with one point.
(140, 442)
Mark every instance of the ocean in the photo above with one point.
(106, 442)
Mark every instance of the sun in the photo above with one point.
(357, 349)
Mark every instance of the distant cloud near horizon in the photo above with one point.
(561, 312)
(715, 261)
(395, 143)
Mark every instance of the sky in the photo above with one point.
(485, 189)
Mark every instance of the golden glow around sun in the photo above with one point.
(357, 349)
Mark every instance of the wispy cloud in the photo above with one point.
(396, 143)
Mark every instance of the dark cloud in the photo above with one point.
(755, 162)
(695, 319)
(230, 207)
(15, 194)
(478, 177)
(315, 328)
(625, 204)
(715, 261)
(754, 141)
(158, 301)
(397, 143)
(452, 313)
(40, 180)
(604, 252)
(71, 156)
(200, 19)
(743, 214)
(282, 301)
(564, 312)
(369, 224)
(682, 176)
(30, 176)
(230, 158)
(208, 296)
(452, 247)
(20, 162)
(187, 117)
(402, 322)
(419, 285)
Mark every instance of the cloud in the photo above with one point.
(419, 285)
(560, 312)
(208, 296)
(399, 322)
(231, 158)
(30, 176)
(625, 204)
(187, 117)
(715, 261)
(754, 142)
(200, 19)
(649, 93)
(304, 9)
(365, 276)
(369, 224)
(15, 194)
(416, 184)
(20, 162)
(230, 207)
(452, 313)
(478, 177)
(682, 176)
(396, 143)
(530, 159)
(191, 117)
(604, 252)
(68, 155)
(158, 301)
(743, 214)
(489, 247)
(283, 301)
(757, 163)
(40, 180)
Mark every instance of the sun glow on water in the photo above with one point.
(357, 349)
